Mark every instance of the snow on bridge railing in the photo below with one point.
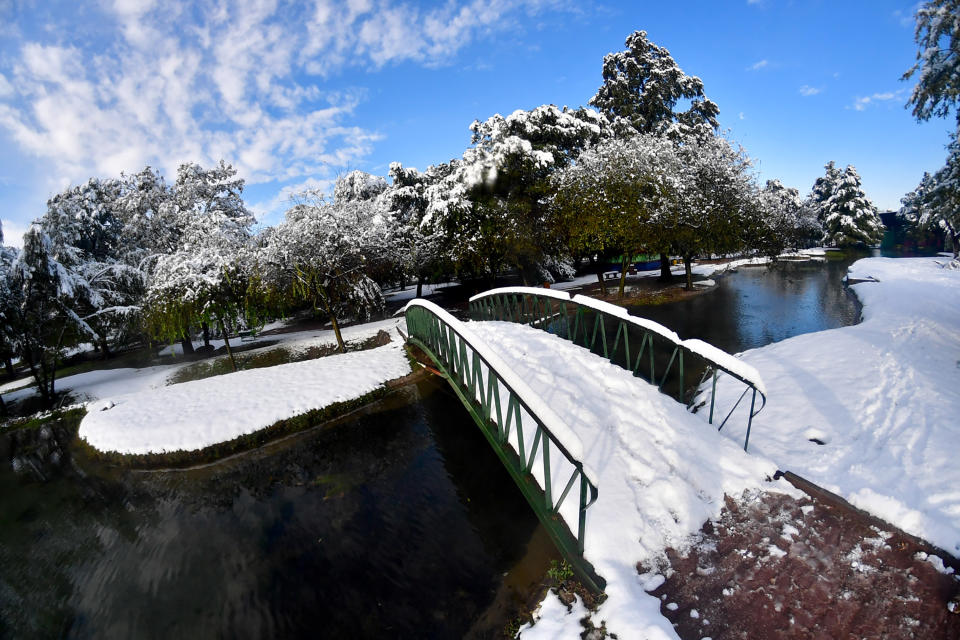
(486, 383)
(570, 318)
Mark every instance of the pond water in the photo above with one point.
(398, 522)
(759, 305)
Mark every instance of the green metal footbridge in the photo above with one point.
(539, 450)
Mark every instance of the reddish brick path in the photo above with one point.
(776, 567)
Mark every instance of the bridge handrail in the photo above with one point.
(562, 435)
(497, 304)
(447, 341)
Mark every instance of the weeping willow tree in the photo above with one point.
(194, 288)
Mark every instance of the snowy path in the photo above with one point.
(662, 472)
(884, 397)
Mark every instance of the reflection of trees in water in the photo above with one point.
(336, 528)
(760, 305)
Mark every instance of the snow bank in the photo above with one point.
(883, 395)
(662, 472)
(193, 415)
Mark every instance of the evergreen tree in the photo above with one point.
(642, 86)
(823, 188)
(937, 69)
(849, 216)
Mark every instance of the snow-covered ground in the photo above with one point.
(131, 411)
(105, 383)
(883, 396)
(661, 471)
(193, 415)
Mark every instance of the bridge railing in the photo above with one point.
(528, 436)
(646, 348)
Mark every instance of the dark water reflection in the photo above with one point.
(399, 523)
(759, 305)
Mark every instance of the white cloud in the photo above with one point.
(806, 90)
(168, 82)
(13, 233)
(756, 66)
(742, 117)
(861, 103)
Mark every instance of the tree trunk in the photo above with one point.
(595, 264)
(206, 334)
(336, 325)
(665, 275)
(104, 348)
(687, 265)
(623, 274)
(187, 344)
(419, 286)
(603, 283)
(226, 342)
(11, 372)
(403, 281)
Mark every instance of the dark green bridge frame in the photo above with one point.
(586, 323)
(482, 388)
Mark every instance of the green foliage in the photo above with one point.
(559, 571)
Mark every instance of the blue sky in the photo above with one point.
(293, 93)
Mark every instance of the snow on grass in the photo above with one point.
(662, 472)
(883, 396)
(104, 383)
(194, 415)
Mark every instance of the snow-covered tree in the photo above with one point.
(849, 218)
(491, 203)
(936, 94)
(86, 239)
(787, 221)
(419, 246)
(203, 281)
(613, 198)
(151, 219)
(936, 201)
(358, 185)
(716, 206)
(823, 188)
(642, 87)
(46, 295)
(937, 69)
(319, 255)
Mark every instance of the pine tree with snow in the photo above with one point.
(937, 69)
(823, 188)
(849, 216)
(642, 86)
